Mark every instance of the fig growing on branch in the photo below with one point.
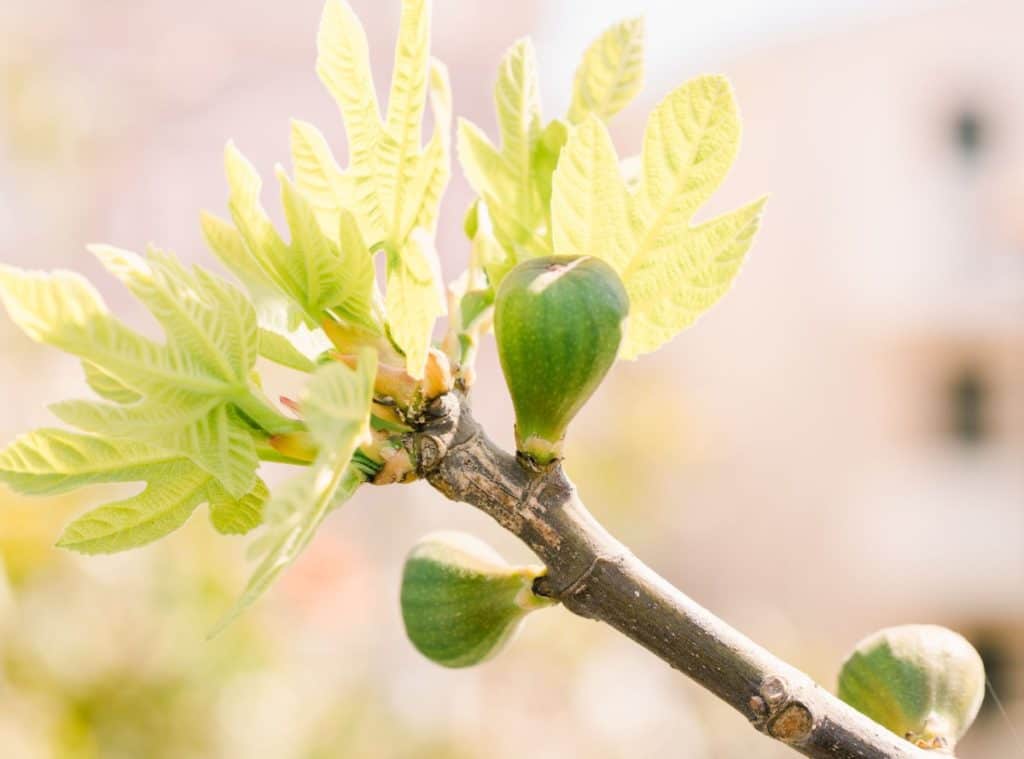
(559, 322)
(461, 602)
(923, 682)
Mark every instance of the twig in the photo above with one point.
(597, 577)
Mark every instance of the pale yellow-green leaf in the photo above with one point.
(313, 256)
(691, 139)
(355, 303)
(398, 151)
(505, 178)
(320, 179)
(164, 506)
(611, 72)
(107, 386)
(231, 516)
(205, 318)
(336, 405)
(279, 349)
(589, 213)
(203, 430)
(670, 290)
(414, 299)
(52, 461)
(49, 461)
(343, 64)
(229, 246)
(63, 310)
(434, 171)
(263, 242)
(517, 99)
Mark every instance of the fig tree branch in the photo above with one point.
(595, 576)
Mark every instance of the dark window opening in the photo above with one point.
(968, 399)
(968, 133)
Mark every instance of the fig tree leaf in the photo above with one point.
(673, 271)
(504, 179)
(318, 176)
(691, 139)
(205, 318)
(227, 243)
(166, 503)
(51, 461)
(206, 431)
(673, 290)
(336, 406)
(589, 211)
(343, 64)
(107, 386)
(611, 72)
(413, 299)
(63, 310)
(428, 185)
(185, 386)
(279, 349)
(237, 517)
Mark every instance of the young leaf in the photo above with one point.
(279, 349)
(611, 72)
(434, 171)
(414, 299)
(51, 461)
(690, 142)
(672, 271)
(107, 386)
(237, 517)
(336, 406)
(589, 213)
(63, 310)
(205, 431)
(504, 178)
(205, 318)
(229, 246)
(185, 386)
(398, 151)
(343, 64)
(165, 505)
(672, 290)
(318, 176)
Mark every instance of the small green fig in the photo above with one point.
(461, 602)
(559, 321)
(923, 682)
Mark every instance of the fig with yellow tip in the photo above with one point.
(923, 682)
(461, 602)
(559, 322)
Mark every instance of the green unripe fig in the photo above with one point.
(923, 682)
(461, 602)
(559, 321)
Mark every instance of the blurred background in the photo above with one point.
(837, 446)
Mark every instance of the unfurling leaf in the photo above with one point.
(186, 388)
(504, 179)
(673, 271)
(611, 72)
(414, 299)
(336, 407)
(52, 461)
(589, 210)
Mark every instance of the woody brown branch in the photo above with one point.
(595, 576)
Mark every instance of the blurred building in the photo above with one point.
(837, 446)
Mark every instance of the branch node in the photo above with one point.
(774, 711)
